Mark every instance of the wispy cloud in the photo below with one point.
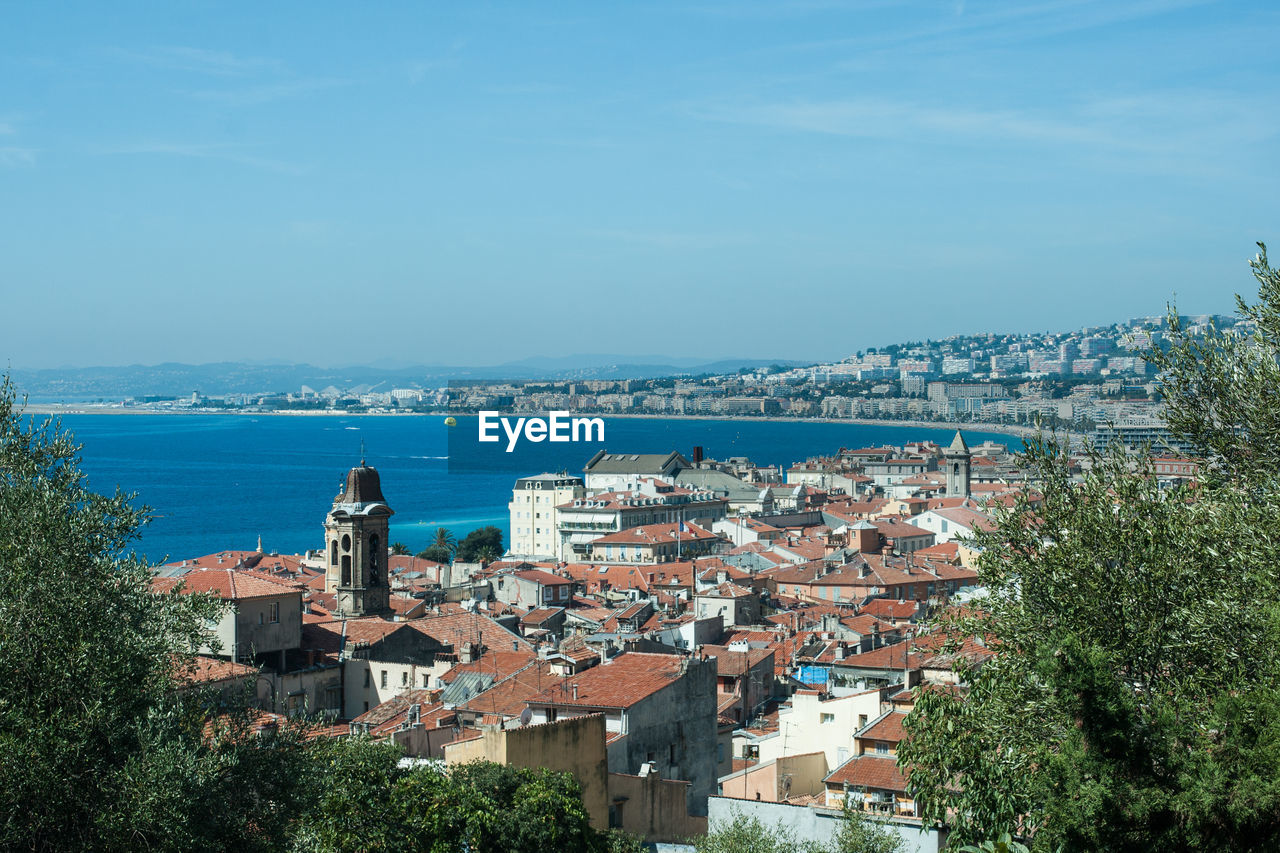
(263, 93)
(935, 29)
(197, 60)
(667, 239)
(205, 151)
(1173, 125)
(240, 80)
(12, 156)
(418, 69)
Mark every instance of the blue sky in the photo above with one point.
(474, 183)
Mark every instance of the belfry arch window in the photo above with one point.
(346, 570)
(333, 553)
(373, 560)
(346, 542)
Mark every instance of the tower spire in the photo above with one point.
(362, 451)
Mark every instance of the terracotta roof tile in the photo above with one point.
(621, 683)
(226, 584)
(869, 771)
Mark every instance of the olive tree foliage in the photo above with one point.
(1129, 702)
(98, 750)
(1221, 389)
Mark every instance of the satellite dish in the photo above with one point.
(525, 716)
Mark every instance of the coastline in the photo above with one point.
(1012, 430)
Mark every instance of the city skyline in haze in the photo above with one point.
(478, 185)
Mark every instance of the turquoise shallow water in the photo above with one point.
(219, 481)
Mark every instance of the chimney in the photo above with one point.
(697, 453)
(575, 692)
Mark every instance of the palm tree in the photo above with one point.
(399, 549)
(445, 539)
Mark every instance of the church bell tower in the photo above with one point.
(356, 532)
(956, 458)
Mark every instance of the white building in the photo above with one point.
(815, 724)
(533, 513)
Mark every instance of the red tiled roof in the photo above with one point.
(887, 657)
(499, 664)
(887, 608)
(656, 534)
(541, 577)
(621, 683)
(408, 607)
(737, 663)
(888, 728)
(328, 636)
(869, 771)
(207, 670)
(946, 551)
(542, 614)
(508, 697)
(227, 584)
(898, 529)
(454, 629)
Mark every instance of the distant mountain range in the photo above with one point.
(172, 379)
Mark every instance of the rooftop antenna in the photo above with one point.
(361, 451)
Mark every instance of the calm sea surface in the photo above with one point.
(217, 482)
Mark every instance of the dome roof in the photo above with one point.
(362, 486)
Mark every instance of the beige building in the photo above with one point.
(533, 513)
(264, 616)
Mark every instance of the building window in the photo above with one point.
(404, 678)
(367, 675)
(275, 611)
(882, 748)
(384, 678)
(827, 718)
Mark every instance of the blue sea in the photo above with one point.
(217, 482)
